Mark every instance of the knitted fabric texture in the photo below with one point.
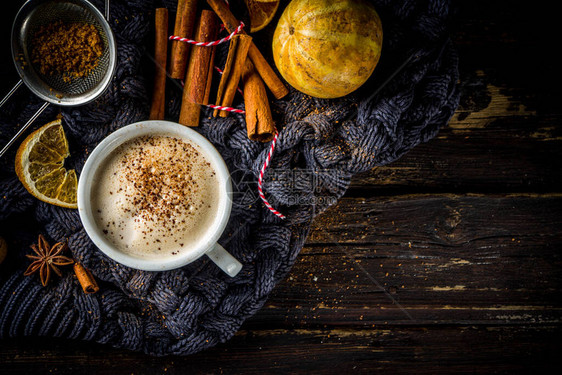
(322, 144)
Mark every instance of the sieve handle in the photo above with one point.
(23, 128)
(11, 92)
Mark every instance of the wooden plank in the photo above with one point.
(426, 260)
(440, 220)
(323, 351)
(336, 291)
(489, 155)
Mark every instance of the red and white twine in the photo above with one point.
(221, 108)
(229, 109)
(208, 44)
(260, 178)
(239, 111)
(221, 72)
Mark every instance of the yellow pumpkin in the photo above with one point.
(327, 48)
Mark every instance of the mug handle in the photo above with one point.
(224, 260)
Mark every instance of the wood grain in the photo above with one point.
(499, 151)
(428, 260)
(445, 261)
(368, 350)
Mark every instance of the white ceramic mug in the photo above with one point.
(208, 246)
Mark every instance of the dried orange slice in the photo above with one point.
(40, 166)
(261, 13)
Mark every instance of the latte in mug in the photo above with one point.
(154, 195)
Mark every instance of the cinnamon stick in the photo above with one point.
(184, 25)
(235, 61)
(189, 111)
(273, 82)
(207, 32)
(259, 122)
(86, 279)
(199, 70)
(157, 107)
(210, 75)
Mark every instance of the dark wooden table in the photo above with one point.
(446, 261)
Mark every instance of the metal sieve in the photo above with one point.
(54, 88)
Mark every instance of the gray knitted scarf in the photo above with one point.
(321, 145)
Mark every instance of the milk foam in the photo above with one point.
(155, 196)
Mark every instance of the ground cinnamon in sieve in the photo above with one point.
(71, 49)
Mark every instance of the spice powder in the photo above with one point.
(71, 49)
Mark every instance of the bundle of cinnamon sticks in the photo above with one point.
(245, 67)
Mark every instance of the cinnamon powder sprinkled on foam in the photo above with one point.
(155, 195)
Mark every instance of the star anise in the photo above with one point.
(47, 259)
